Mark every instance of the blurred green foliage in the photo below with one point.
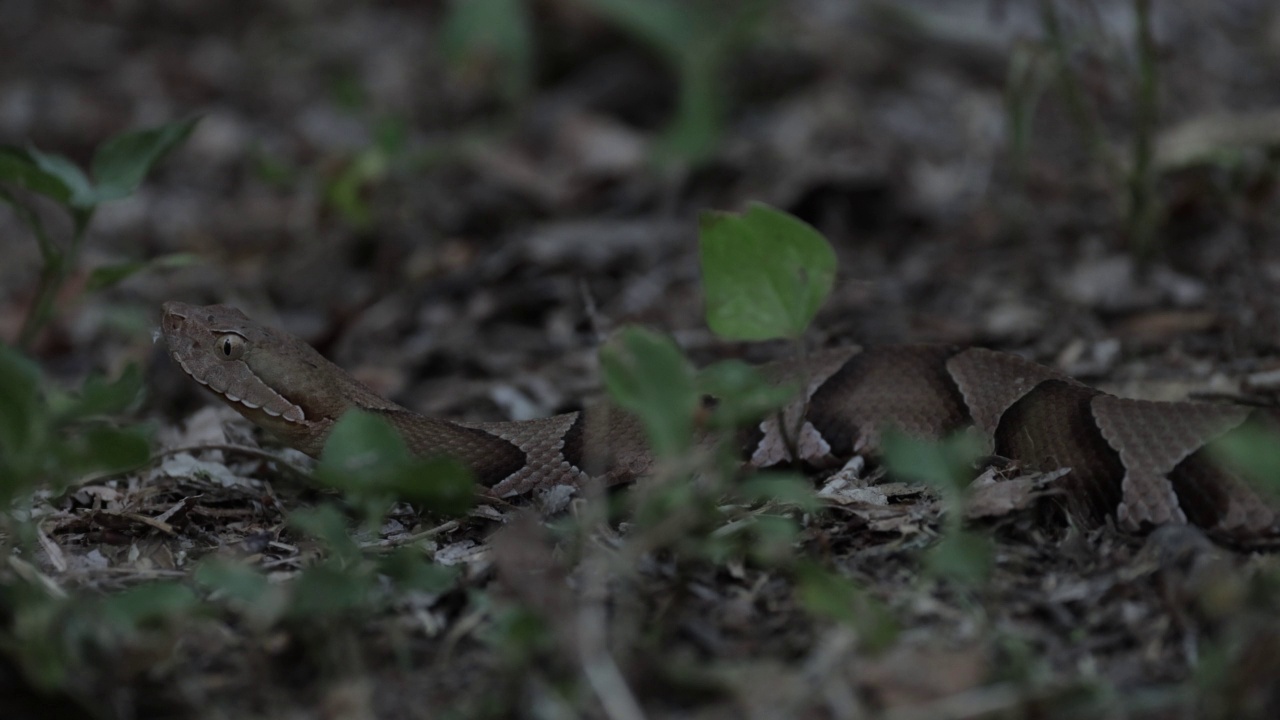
(50, 437)
(117, 169)
(695, 39)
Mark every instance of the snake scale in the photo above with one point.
(1143, 463)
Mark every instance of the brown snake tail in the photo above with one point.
(1144, 463)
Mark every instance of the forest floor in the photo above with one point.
(458, 207)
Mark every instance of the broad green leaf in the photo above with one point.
(148, 603)
(788, 488)
(826, 594)
(111, 275)
(366, 458)
(359, 442)
(327, 590)
(104, 449)
(773, 539)
(661, 501)
(741, 393)
(121, 163)
(517, 633)
(647, 375)
(19, 167)
(80, 190)
(99, 396)
(41, 630)
(412, 571)
(441, 485)
(1250, 451)
(947, 465)
(234, 579)
(22, 415)
(963, 556)
(326, 524)
(765, 273)
(261, 601)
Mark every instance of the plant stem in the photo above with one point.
(1081, 111)
(57, 266)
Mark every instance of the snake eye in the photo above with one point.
(230, 346)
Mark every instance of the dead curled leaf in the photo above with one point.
(992, 498)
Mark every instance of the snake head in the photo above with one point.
(274, 379)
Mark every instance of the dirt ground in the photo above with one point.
(461, 223)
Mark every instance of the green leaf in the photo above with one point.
(99, 396)
(765, 273)
(366, 458)
(146, 604)
(518, 634)
(100, 449)
(112, 275)
(772, 539)
(121, 163)
(787, 488)
(360, 442)
(826, 594)
(234, 579)
(647, 375)
(663, 501)
(326, 524)
(43, 631)
(1250, 451)
(79, 189)
(741, 392)
(947, 465)
(261, 601)
(963, 556)
(21, 412)
(19, 167)
(412, 571)
(327, 590)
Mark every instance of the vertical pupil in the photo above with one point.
(226, 347)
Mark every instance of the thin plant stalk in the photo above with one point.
(57, 267)
(1081, 111)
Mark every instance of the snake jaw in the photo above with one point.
(191, 341)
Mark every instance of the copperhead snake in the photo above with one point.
(1143, 463)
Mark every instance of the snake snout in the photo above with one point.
(173, 315)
